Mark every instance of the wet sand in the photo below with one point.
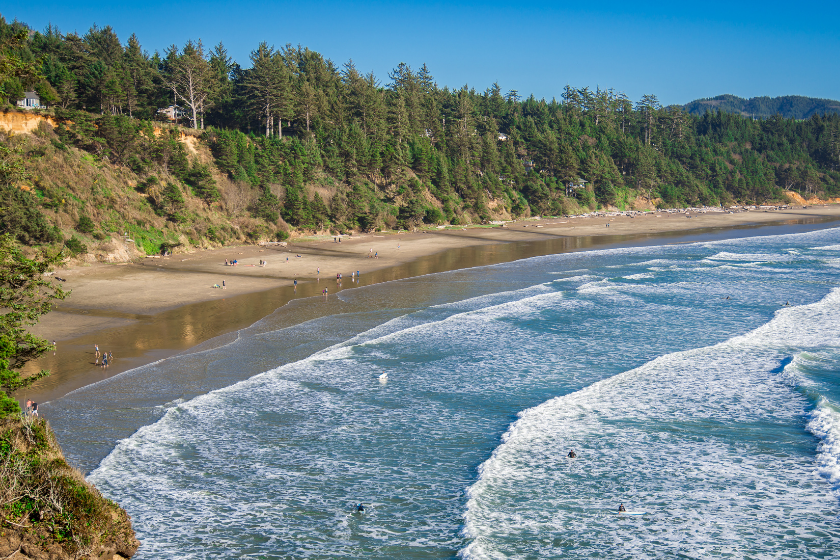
(146, 311)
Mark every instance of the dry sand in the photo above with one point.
(156, 284)
(159, 306)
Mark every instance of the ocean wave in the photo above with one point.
(676, 432)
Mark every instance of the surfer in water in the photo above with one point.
(360, 508)
(572, 454)
(621, 508)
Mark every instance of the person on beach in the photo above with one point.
(621, 508)
(224, 286)
(110, 357)
(226, 262)
(34, 409)
(96, 348)
(54, 348)
(28, 406)
(572, 454)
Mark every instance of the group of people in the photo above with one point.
(32, 407)
(233, 262)
(107, 357)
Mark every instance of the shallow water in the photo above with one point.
(689, 390)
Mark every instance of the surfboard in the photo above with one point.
(630, 512)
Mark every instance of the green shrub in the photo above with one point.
(75, 245)
(85, 225)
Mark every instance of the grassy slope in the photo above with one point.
(68, 183)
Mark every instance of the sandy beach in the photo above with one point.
(159, 306)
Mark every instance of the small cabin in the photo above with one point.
(502, 137)
(573, 186)
(30, 101)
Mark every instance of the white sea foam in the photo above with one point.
(825, 424)
(666, 437)
(640, 276)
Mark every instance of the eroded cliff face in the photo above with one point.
(21, 122)
(49, 511)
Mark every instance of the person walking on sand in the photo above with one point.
(96, 347)
(110, 356)
(224, 286)
(34, 409)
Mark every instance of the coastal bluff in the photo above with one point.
(49, 511)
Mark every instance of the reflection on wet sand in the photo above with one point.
(136, 340)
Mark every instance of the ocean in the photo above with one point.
(698, 384)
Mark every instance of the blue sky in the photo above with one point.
(678, 53)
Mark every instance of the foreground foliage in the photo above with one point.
(25, 295)
(46, 507)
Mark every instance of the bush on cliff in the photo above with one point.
(48, 509)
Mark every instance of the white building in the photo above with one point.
(30, 101)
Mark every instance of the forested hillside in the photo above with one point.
(787, 106)
(290, 141)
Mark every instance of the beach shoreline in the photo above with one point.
(146, 311)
